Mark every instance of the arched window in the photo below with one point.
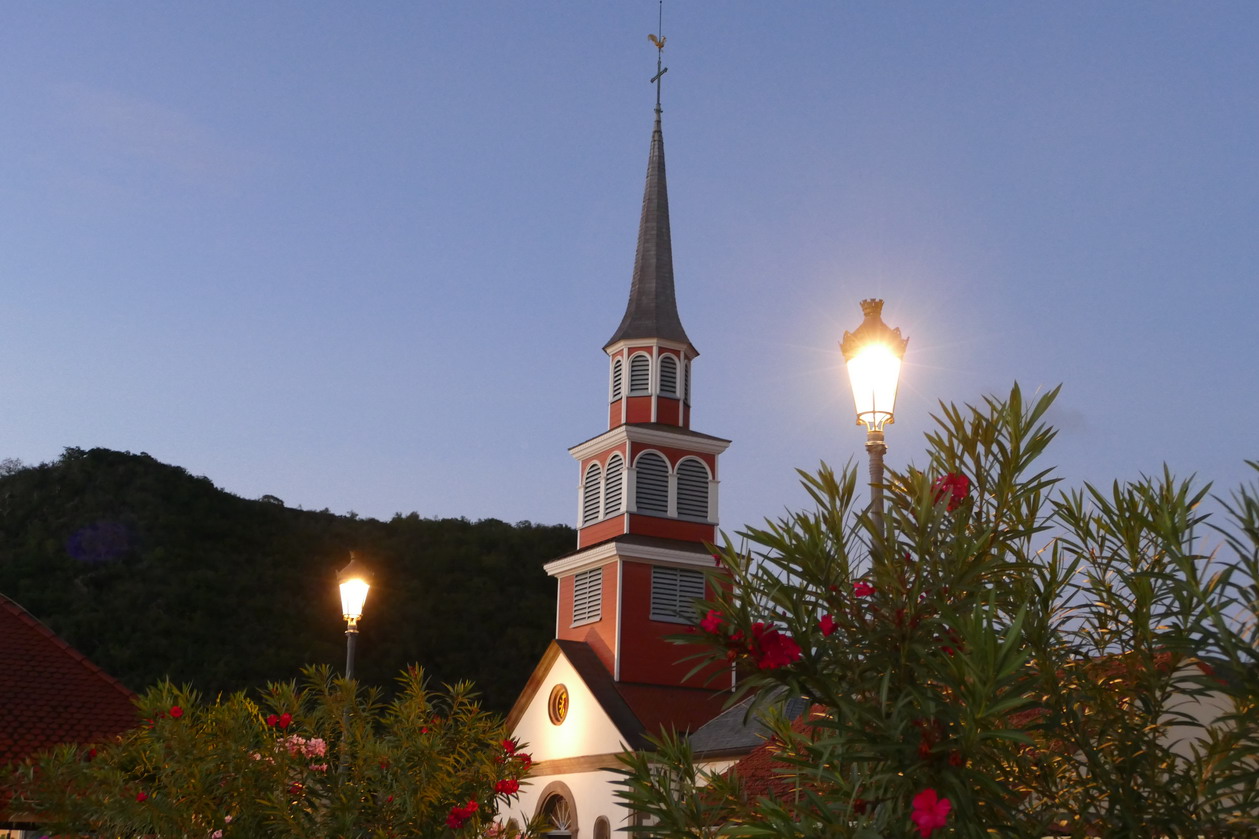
(692, 489)
(651, 484)
(640, 375)
(618, 370)
(590, 495)
(668, 376)
(612, 486)
(603, 828)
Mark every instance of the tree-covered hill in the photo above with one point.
(152, 572)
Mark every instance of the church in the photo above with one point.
(647, 507)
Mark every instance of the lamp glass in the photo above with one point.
(353, 595)
(874, 372)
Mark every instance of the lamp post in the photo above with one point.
(873, 353)
(354, 580)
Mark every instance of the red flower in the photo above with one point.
(142, 796)
(771, 648)
(712, 622)
(930, 811)
(954, 487)
(827, 625)
(282, 721)
(296, 788)
(459, 815)
(507, 786)
(272, 720)
(176, 712)
(862, 589)
(526, 760)
(717, 560)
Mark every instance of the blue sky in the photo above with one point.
(365, 256)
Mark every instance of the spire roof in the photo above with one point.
(652, 311)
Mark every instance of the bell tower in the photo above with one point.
(647, 493)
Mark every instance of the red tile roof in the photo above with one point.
(50, 693)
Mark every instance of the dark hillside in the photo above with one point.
(150, 572)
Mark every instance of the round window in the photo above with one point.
(557, 705)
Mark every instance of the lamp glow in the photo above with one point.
(355, 581)
(873, 353)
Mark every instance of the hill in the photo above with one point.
(153, 572)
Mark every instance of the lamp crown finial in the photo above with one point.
(872, 307)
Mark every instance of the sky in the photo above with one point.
(364, 257)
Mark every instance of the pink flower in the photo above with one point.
(319, 767)
(176, 712)
(862, 589)
(930, 811)
(316, 747)
(507, 786)
(712, 622)
(218, 834)
(827, 625)
(953, 486)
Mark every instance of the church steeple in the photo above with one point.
(652, 311)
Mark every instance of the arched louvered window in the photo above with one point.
(590, 495)
(668, 375)
(640, 375)
(618, 371)
(612, 485)
(692, 489)
(651, 484)
(686, 381)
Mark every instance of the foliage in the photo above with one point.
(154, 573)
(1045, 662)
(324, 759)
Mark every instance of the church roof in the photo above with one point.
(637, 710)
(652, 311)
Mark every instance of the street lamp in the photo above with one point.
(354, 580)
(873, 352)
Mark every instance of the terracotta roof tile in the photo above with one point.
(50, 693)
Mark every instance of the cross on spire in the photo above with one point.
(659, 42)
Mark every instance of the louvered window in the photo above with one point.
(618, 369)
(612, 486)
(640, 375)
(590, 495)
(587, 596)
(692, 489)
(686, 382)
(673, 593)
(668, 376)
(651, 485)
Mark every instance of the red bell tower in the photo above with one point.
(647, 496)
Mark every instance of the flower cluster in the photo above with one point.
(507, 786)
(459, 815)
(954, 487)
(280, 721)
(766, 645)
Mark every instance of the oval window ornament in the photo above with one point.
(557, 704)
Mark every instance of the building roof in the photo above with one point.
(637, 710)
(652, 311)
(737, 729)
(50, 693)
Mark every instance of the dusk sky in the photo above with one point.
(365, 256)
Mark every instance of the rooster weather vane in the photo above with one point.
(659, 42)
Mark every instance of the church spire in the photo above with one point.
(652, 311)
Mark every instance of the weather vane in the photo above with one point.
(659, 42)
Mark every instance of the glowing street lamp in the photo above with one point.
(355, 580)
(873, 352)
